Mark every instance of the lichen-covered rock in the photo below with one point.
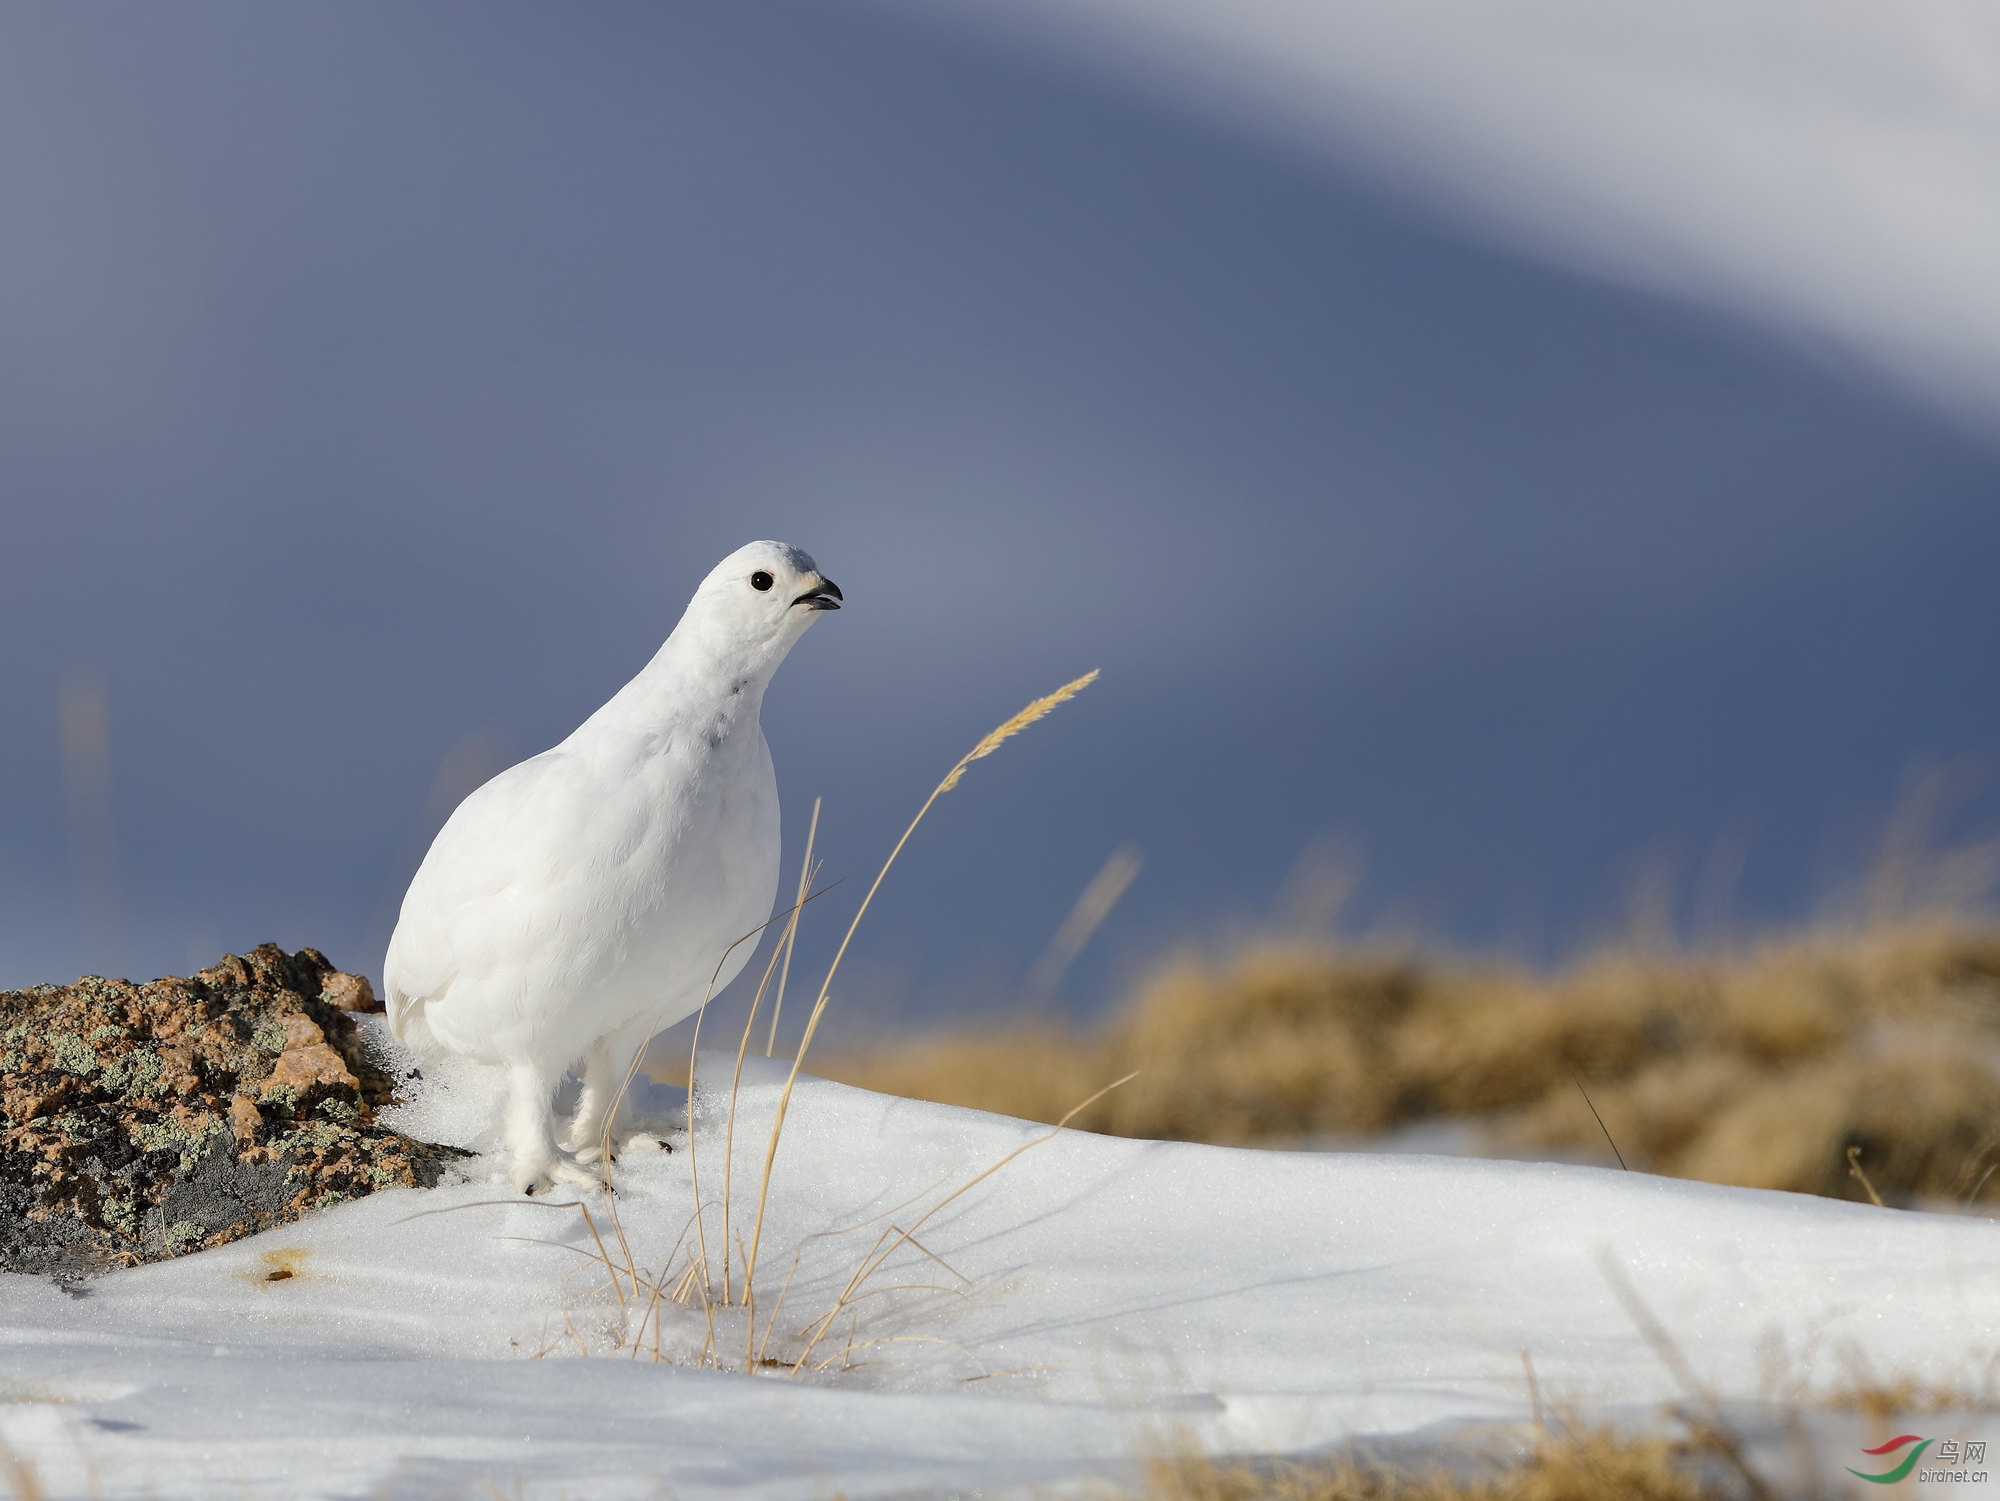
(144, 1121)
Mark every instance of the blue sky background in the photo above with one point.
(377, 381)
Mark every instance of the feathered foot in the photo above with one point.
(532, 1177)
(535, 1163)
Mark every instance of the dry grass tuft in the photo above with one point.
(1898, 1397)
(693, 1277)
(1759, 1068)
(1585, 1464)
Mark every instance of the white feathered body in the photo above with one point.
(598, 883)
(594, 894)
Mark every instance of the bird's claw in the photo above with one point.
(540, 1178)
(592, 1151)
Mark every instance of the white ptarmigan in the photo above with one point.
(580, 901)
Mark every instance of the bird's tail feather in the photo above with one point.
(406, 1021)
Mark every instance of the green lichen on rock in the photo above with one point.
(72, 1054)
(281, 1099)
(186, 1136)
(135, 1071)
(144, 1121)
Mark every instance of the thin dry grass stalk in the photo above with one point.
(806, 875)
(1007, 730)
(1095, 904)
(1793, 1379)
(1860, 1175)
(896, 1239)
(1703, 1412)
(694, 1048)
(631, 1270)
(986, 746)
(736, 1086)
(790, 916)
(806, 868)
(22, 1480)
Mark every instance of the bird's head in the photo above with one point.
(758, 601)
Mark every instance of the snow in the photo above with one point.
(1104, 1297)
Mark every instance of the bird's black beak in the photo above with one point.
(826, 597)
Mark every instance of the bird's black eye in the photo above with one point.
(760, 581)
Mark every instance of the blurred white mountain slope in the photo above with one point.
(1831, 167)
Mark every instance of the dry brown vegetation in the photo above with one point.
(1589, 1464)
(1689, 1452)
(1762, 1067)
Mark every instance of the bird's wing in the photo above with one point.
(496, 881)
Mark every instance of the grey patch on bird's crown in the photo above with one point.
(798, 561)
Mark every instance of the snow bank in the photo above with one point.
(1064, 1314)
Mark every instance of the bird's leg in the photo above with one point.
(604, 1069)
(535, 1164)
